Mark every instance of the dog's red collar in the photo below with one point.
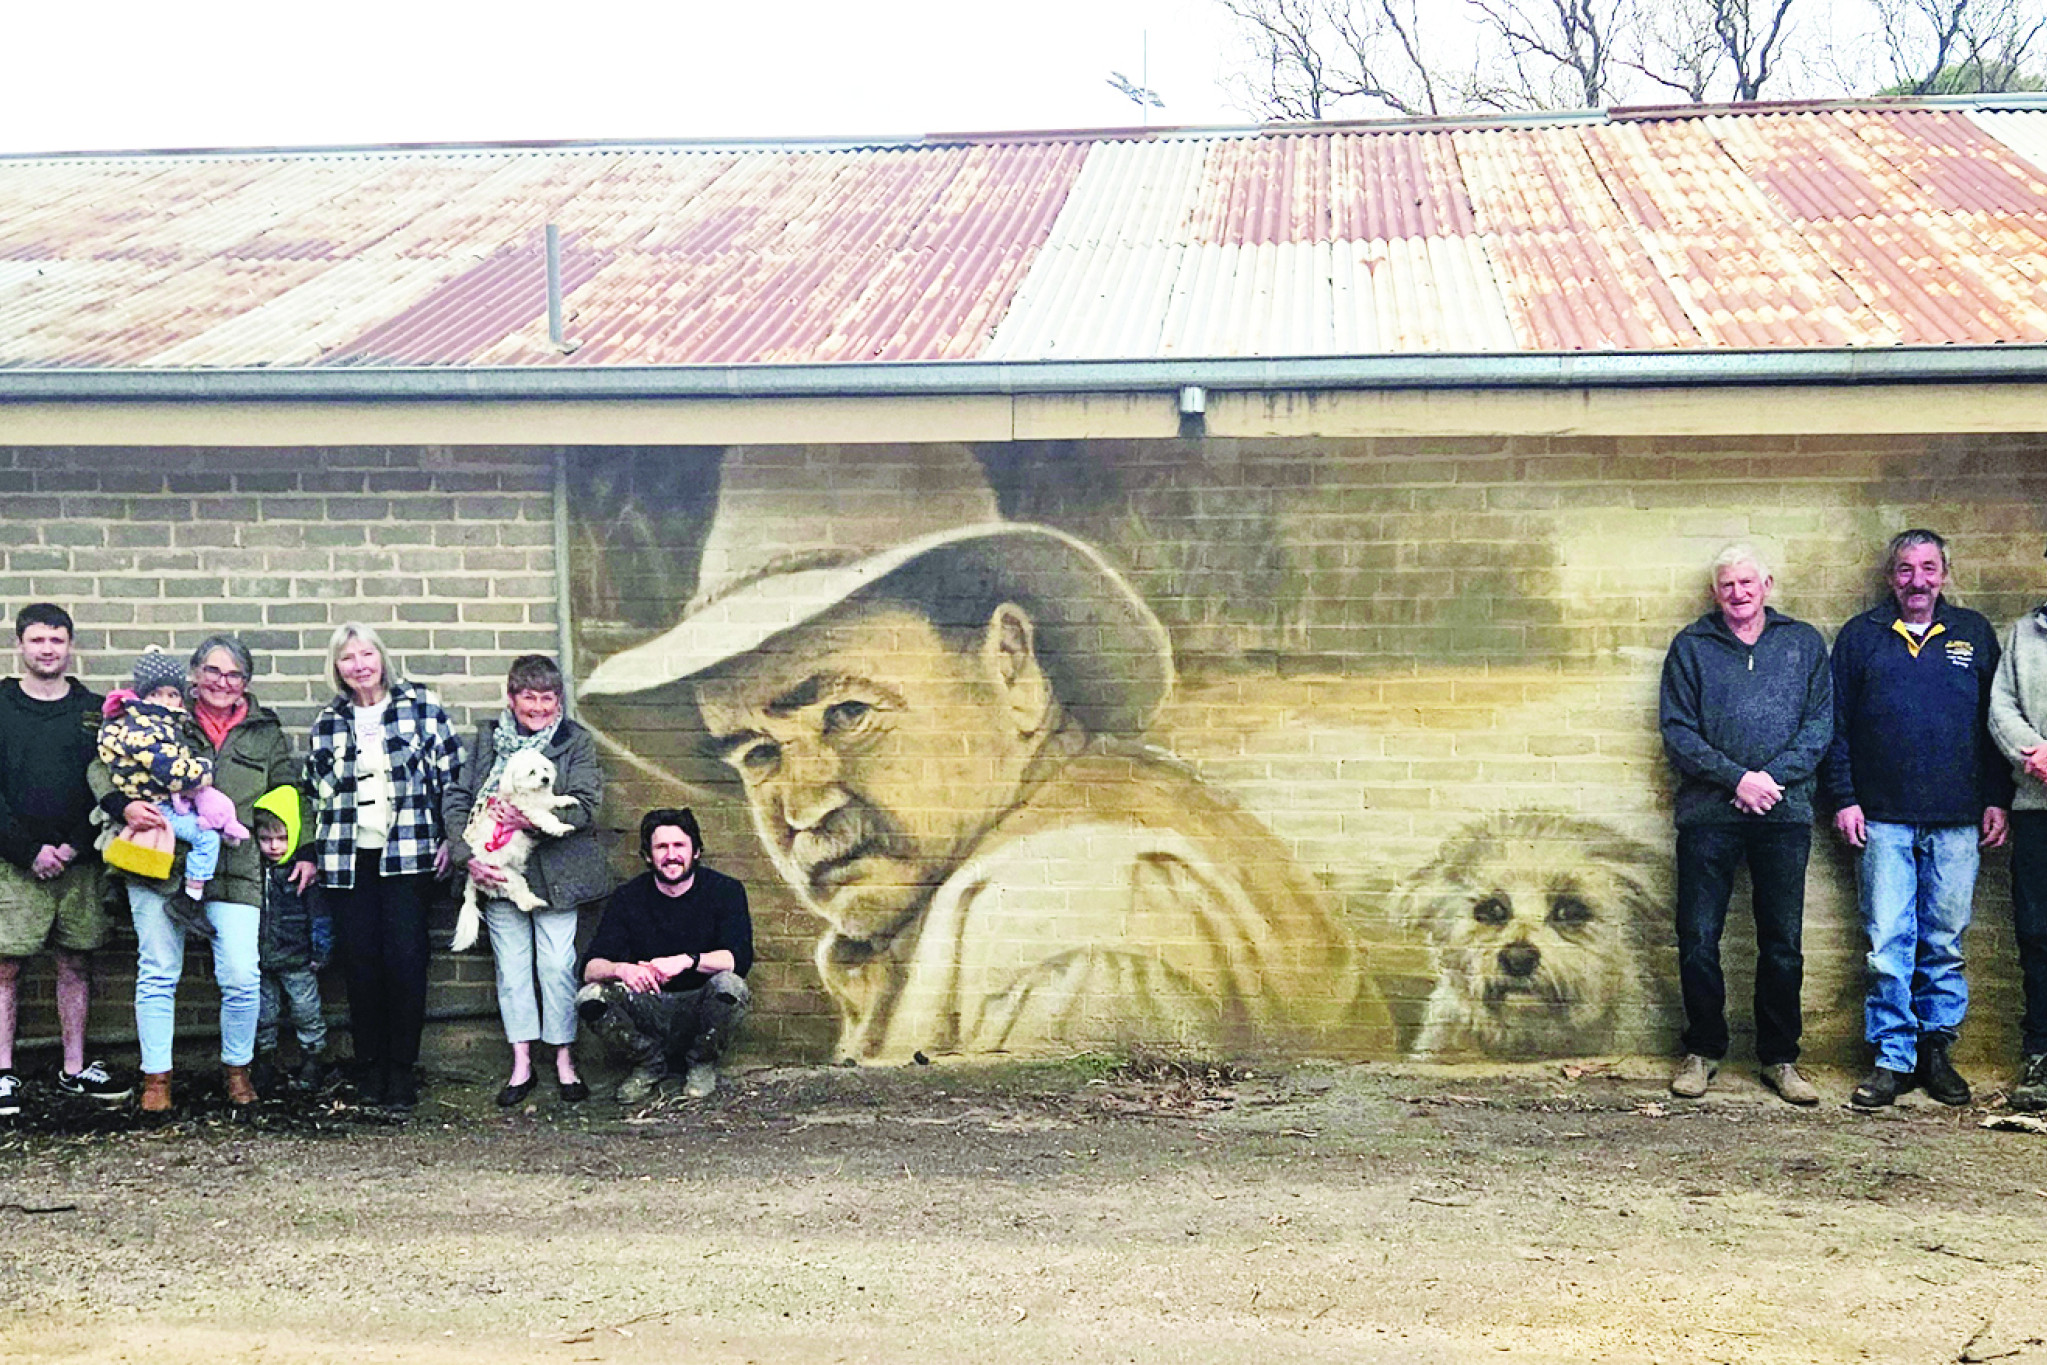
(500, 836)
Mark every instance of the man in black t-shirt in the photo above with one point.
(50, 882)
(665, 975)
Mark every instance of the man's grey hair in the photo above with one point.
(1739, 553)
(1906, 540)
(357, 630)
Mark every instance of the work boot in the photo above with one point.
(1936, 1074)
(1791, 1087)
(1694, 1074)
(639, 1087)
(2031, 1091)
(701, 1082)
(1879, 1088)
(156, 1092)
(241, 1091)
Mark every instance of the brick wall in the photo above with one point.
(1378, 643)
(1382, 642)
(448, 553)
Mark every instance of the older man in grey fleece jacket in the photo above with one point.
(1747, 711)
(2018, 723)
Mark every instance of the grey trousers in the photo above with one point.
(534, 956)
(298, 988)
(678, 1028)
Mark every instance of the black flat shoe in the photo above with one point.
(574, 1092)
(513, 1094)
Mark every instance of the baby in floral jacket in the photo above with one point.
(150, 757)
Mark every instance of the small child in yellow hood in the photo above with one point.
(296, 939)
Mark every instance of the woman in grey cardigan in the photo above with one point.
(535, 953)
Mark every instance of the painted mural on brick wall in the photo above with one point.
(1339, 748)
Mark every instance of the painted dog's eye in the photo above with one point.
(1491, 910)
(1570, 912)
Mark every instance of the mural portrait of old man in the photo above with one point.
(936, 716)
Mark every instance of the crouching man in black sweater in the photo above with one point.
(664, 979)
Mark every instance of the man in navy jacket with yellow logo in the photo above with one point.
(1919, 789)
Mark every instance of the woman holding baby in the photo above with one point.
(535, 953)
(383, 755)
(225, 729)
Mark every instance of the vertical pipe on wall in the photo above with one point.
(565, 640)
(554, 284)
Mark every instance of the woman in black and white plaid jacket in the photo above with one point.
(383, 755)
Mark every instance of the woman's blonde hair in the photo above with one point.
(357, 630)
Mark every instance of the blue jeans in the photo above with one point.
(2029, 921)
(204, 858)
(297, 988)
(1707, 857)
(1917, 884)
(539, 948)
(160, 961)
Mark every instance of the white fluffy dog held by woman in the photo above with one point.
(528, 788)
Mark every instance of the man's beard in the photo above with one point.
(662, 876)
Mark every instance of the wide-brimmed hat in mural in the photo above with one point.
(798, 531)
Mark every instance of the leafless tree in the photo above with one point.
(1677, 48)
(1752, 33)
(1558, 53)
(1315, 53)
(1960, 46)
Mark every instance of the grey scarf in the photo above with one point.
(510, 740)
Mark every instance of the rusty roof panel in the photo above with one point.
(1873, 225)
(1388, 187)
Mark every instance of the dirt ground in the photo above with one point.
(1081, 1211)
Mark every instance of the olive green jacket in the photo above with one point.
(256, 757)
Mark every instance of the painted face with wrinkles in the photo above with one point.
(874, 757)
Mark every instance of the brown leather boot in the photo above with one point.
(239, 1089)
(156, 1092)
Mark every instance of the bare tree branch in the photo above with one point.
(1677, 49)
(1752, 47)
(1947, 47)
(1559, 49)
(1314, 56)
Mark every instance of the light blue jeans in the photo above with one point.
(1917, 885)
(539, 948)
(204, 857)
(160, 961)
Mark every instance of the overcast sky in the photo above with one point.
(234, 73)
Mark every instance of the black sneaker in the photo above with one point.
(372, 1084)
(312, 1074)
(402, 1092)
(93, 1082)
(1879, 1088)
(2031, 1091)
(1937, 1075)
(10, 1094)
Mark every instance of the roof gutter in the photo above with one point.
(2009, 364)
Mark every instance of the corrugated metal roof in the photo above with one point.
(1767, 227)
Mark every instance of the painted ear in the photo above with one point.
(1416, 902)
(1009, 654)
